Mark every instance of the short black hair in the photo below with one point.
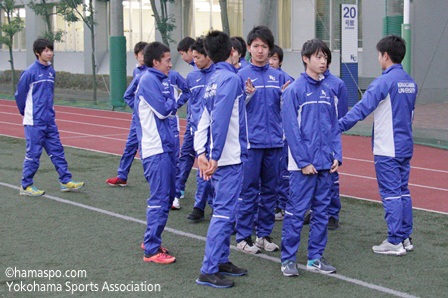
(154, 51)
(279, 52)
(40, 45)
(236, 44)
(314, 46)
(394, 46)
(185, 44)
(243, 45)
(218, 46)
(263, 33)
(198, 46)
(139, 46)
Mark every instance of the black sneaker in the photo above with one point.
(216, 280)
(196, 215)
(333, 223)
(230, 269)
(307, 219)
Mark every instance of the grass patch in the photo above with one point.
(39, 233)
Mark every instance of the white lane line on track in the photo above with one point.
(201, 238)
(412, 167)
(410, 184)
(375, 201)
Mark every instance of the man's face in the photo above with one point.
(382, 59)
(45, 56)
(316, 64)
(164, 65)
(274, 61)
(140, 58)
(259, 51)
(201, 60)
(235, 57)
(186, 56)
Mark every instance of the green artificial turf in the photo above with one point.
(40, 233)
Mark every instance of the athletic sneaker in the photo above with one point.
(407, 243)
(182, 194)
(279, 214)
(320, 265)
(307, 219)
(116, 182)
(230, 269)
(176, 204)
(289, 268)
(31, 191)
(160, 257)
(161, 248)
(216, 280)
(71, 185)
(266, 243)
(196, 215)
(248, 246)
(333, 223)
(387, 248)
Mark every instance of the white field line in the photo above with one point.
(411, 184)
(412, 167)
(201, 238)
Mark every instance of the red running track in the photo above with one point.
(106, 131)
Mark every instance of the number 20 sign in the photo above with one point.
(349, 33)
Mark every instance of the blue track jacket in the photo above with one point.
(340, 93)
(129, 95)
(154, 104)
(34, 95)
(197, 81)
(222, 124)
(310, 124)
(263, 107)
(392, 99)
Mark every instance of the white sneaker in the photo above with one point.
(388, 248)
(266, 243)
(248, 246)
(279, 214)
(407, 243)
(176, 204)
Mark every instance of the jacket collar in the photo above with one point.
(41, 65)
(392, 67)
(208, 69)
(142, 67)
(160, 75)
(227, 66)
(311, 80)
(259, 68)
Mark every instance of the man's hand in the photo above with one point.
(309, 170)
(203, 165)
(212, 166)
(249, 87)
(335, 166)
(286, 85)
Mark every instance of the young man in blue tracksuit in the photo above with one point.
(177, 84)
(187, 154)
(276, 61)
(392, 99)
(197, 81)
(154, 105)
(341, 103)
(311, 129)
(221, 133)
(34, 98)
(131, 147)
(265, 135)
